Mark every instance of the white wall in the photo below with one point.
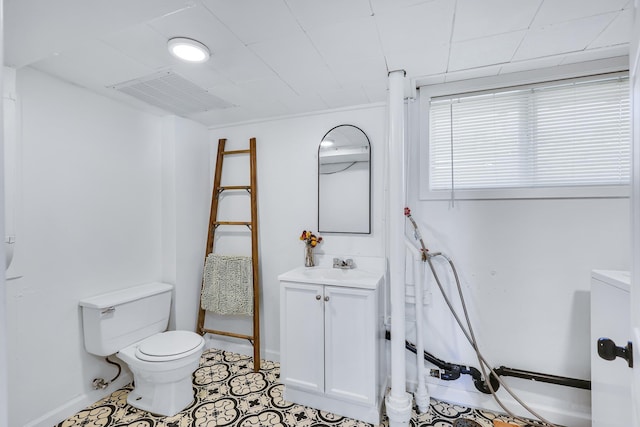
(287, 201)
(4, 389)
(186, 181)
(525, 269)
(91, 198)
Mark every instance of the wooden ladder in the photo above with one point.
(251, 189)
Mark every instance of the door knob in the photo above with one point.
(608, 350)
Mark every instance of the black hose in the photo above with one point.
(452, 371)
(116, 364)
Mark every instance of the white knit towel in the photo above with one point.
(228, 285)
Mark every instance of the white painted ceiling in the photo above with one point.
(281, 57)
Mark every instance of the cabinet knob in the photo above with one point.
(326, 298)
(318, 297)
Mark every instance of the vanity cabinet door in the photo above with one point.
(302, 336)
(350, 344)
(332, 342)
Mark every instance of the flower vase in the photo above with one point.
(308, 256)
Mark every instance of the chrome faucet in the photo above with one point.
(343, 263)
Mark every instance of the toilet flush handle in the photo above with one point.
(108, 310)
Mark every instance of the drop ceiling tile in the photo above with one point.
(141, 43)
(553, 12)
(432, 59)
(297, 62)
(348, 40)
(232, 93)
(571, 36)
(385, 6)
(289, 52)
(267, 90)
(254, 21)
(34, 29)
(410, 29)
(240, 65)
(345, 97)
(484, 51)
(618, 31)
(314, 14)
(489, 17)
(304, 103)
(360, 72)
(308, 80)
(269, 108)
(93, 65)
(202, 75)
(200, 24)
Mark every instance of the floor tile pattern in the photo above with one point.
(229, 393)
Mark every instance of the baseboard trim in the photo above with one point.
(238, 346)
(63, 412)
(558, 412)
(80, 402)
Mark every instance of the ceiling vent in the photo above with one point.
(173, 93)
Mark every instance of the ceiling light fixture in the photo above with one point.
(188, 49)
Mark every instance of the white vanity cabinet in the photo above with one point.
(332, 342)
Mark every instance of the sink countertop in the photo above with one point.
(353, 278)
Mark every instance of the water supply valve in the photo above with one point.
(99, 384)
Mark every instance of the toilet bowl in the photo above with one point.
(131, 323)
(162, 365)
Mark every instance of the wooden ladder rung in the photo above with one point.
(235, 152)
(228, 334)
(235, 187)
(232, 223)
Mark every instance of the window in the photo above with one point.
(566, 138)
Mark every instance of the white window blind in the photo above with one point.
(569, 133)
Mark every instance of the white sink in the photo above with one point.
(353, 277)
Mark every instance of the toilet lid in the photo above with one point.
(168, 345)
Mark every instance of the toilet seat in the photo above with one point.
(169, 345)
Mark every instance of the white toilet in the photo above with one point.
(130, 323)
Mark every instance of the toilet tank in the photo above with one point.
(115, 320)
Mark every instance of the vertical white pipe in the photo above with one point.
(398, 401)
(4, 391)
(422, 394)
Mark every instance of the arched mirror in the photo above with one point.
(344, 181)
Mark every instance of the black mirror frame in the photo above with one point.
(369, 182)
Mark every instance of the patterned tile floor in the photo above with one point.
(229, 393)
